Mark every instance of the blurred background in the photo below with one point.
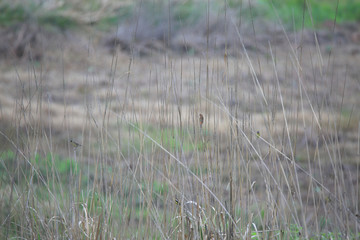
(276, 154)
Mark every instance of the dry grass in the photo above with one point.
(146, 169)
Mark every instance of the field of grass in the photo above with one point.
(277, 155)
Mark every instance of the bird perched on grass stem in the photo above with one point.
(258, 134)
(75, 144)
(201, 120)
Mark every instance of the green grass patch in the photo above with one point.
(170, 138)
(12, 15)
(120, 15)
(183, 14)
(30, 12)
(160, 188)
(11, 166)
(295, 12)
(189, 12)
(55, 19)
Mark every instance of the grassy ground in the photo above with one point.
(276, 157)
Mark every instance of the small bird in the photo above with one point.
(258, 134)
(75, 144)
(201, 119)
